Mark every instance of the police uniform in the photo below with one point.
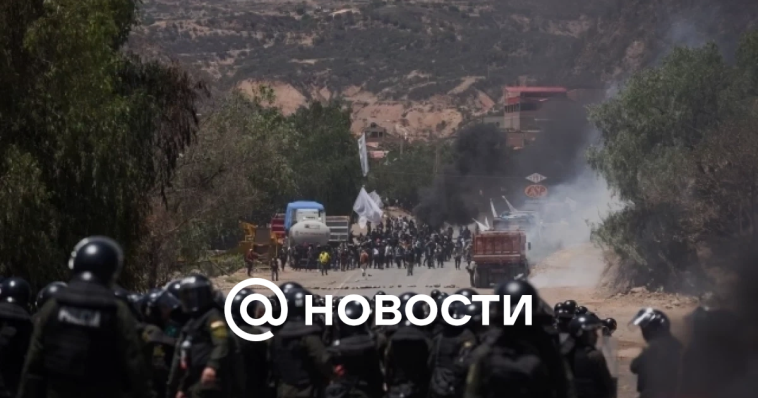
(506, 366)
(406, 362)
(301, 362)
(204, 343)
(85, 345)
(450, 347)
(159, 353)
(357, 361)
(15, 333)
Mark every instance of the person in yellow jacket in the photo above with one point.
(323, 260)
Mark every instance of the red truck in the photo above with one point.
(499, 256)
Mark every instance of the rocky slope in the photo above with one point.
(429, 65)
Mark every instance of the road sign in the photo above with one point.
(536, 191)
(536, 178)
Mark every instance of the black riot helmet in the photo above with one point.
(237, 305)
(581, 310)
(456, 310)
(99, 257)
(515, 289)
(584, 329)
(609, 326)
(562, 312)
(160, 305)
(652, 322)
(441, 299)
(123, 295)
(295, 303)
(196, 294)
(219, 298)
(405, 297)
(419, 310)
(435, 293)
(276, 307)
(380, 293)
(570, 306)
(16, 291)
(353, 310)
(466, 291)
(475, 325)
(173, 287)
(286, 286)
(49, 291)
(135, 303)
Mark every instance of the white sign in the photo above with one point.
(511, 317)
(535, 178)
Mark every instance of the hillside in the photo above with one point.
(428, 64)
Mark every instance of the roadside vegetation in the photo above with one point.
(680, 149)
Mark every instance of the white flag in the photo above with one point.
(363, 154)
(366, 208)
(377, 199)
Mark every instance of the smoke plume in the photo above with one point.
(478, 163)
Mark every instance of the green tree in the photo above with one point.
(236, 170)
(324, 156)
(666, 140)
(88, 132)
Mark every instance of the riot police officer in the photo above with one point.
(499, 363)
(83, 330)
(562, 320)
(657, 366)
(448, 347)
(163, 322)
(439, 323)
(300, 361)
(254, 353)
(407, 373)
(48, 291)
(203, 365)
(609, 326)
(356, 354)
(15, 332)
(592, 377)
(476, 322)
(716, 356)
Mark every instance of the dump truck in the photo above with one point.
(499, 256)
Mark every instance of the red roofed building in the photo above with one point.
(524, 112)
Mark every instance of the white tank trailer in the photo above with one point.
(306, 224)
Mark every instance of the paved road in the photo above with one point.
(572, 273)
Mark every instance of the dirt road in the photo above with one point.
(573, 273)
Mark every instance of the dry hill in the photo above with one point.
(429, 65)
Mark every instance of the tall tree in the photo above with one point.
(666, 140)
(325, 156)
(89, 132)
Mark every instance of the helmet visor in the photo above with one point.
(641, 319)
(194, 300)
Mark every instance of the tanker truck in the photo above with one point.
(305, 223)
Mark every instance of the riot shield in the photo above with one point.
(608, 345)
